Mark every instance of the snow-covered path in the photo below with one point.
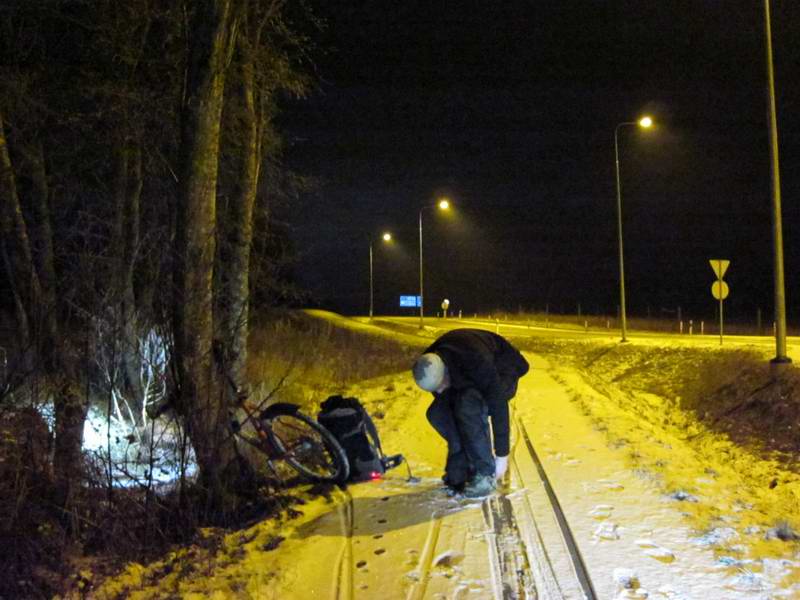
(401, 539)
(395, 539)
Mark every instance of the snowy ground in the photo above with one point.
(653, 515)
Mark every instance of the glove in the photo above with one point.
(500, 466)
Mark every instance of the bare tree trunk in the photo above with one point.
(133, 221)
(124, 250)
(234, 301)
(71, 409)
(58, 366)
(117, 242)
(16, 246)
(202, 402)
(133, 353)
(42, 239)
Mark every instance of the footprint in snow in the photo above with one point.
(628, 585)
(670, 593)
(730, 561)
(716, 536)
(661, 554)
(778, 568)
(612, 486)
(603, 485)
(632, 595)
(411, 561)
(626, 579)
(448, 558)
(682, 496)
(747, 581)
(601, 511)
(607, 531)
(653, 550)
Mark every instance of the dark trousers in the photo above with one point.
(462, 419)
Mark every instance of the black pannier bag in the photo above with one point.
(351, 425)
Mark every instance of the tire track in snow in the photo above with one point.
(417, 591)
(495, 555)
(569, 540)
(520, 568)
(511, 568)
(342, 585)
(543, 569)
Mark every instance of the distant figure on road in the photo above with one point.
(473, 374)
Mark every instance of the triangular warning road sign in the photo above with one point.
(720, 265)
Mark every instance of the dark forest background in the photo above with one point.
(143, 218)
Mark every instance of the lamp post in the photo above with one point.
(777, 228)
(386, 237)
(443, 204)
(644, 122)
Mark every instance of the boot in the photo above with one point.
(480, 486)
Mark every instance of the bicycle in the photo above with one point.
(282, 432)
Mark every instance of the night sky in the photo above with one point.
(509, 109)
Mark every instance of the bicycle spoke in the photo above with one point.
(304, 446)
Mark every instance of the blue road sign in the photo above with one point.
(409, 301)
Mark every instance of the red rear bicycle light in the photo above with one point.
(374, 475)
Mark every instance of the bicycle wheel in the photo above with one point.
(308, 447)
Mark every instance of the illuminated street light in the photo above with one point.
(443, 204)
(645, 123)
(386, 237)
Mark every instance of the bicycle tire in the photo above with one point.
(308, 447)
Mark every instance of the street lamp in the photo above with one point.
(386, 237)
(442, 204)
(777, 227)
(644, 123)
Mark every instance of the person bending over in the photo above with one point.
(473, 375)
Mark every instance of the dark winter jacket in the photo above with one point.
(482, 360)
